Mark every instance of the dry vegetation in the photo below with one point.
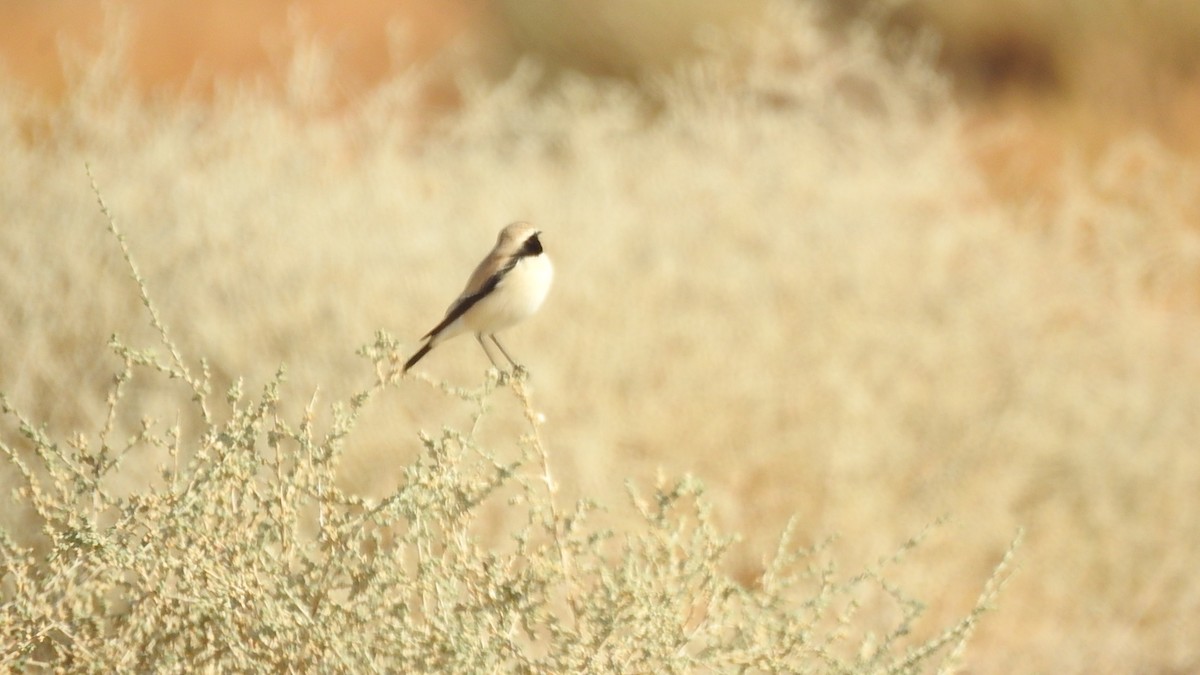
(788, 277)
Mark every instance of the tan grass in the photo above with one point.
(790, 281)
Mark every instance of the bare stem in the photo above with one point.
(535, 423)
(199, 387)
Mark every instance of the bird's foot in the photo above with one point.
(519, 373)
(497, 376)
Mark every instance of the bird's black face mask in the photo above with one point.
(533, 246)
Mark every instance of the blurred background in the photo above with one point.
(869, 264)
(1087, 69)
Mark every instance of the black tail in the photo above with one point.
(417, 357)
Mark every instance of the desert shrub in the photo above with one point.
(243, 554)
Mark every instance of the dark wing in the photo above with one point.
(467, 300)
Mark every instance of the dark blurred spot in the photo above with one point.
(1006, 60)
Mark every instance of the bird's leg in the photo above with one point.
(479, 336)
(517, 368)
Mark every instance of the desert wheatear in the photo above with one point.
(509, 285)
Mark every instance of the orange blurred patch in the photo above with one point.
(194, 44)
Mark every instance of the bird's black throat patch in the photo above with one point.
(532, 247)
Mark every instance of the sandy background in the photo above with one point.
(871, 273)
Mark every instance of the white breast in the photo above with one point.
(520, 293)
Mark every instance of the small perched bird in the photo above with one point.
(508, 286)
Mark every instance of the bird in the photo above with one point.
(508, 286)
